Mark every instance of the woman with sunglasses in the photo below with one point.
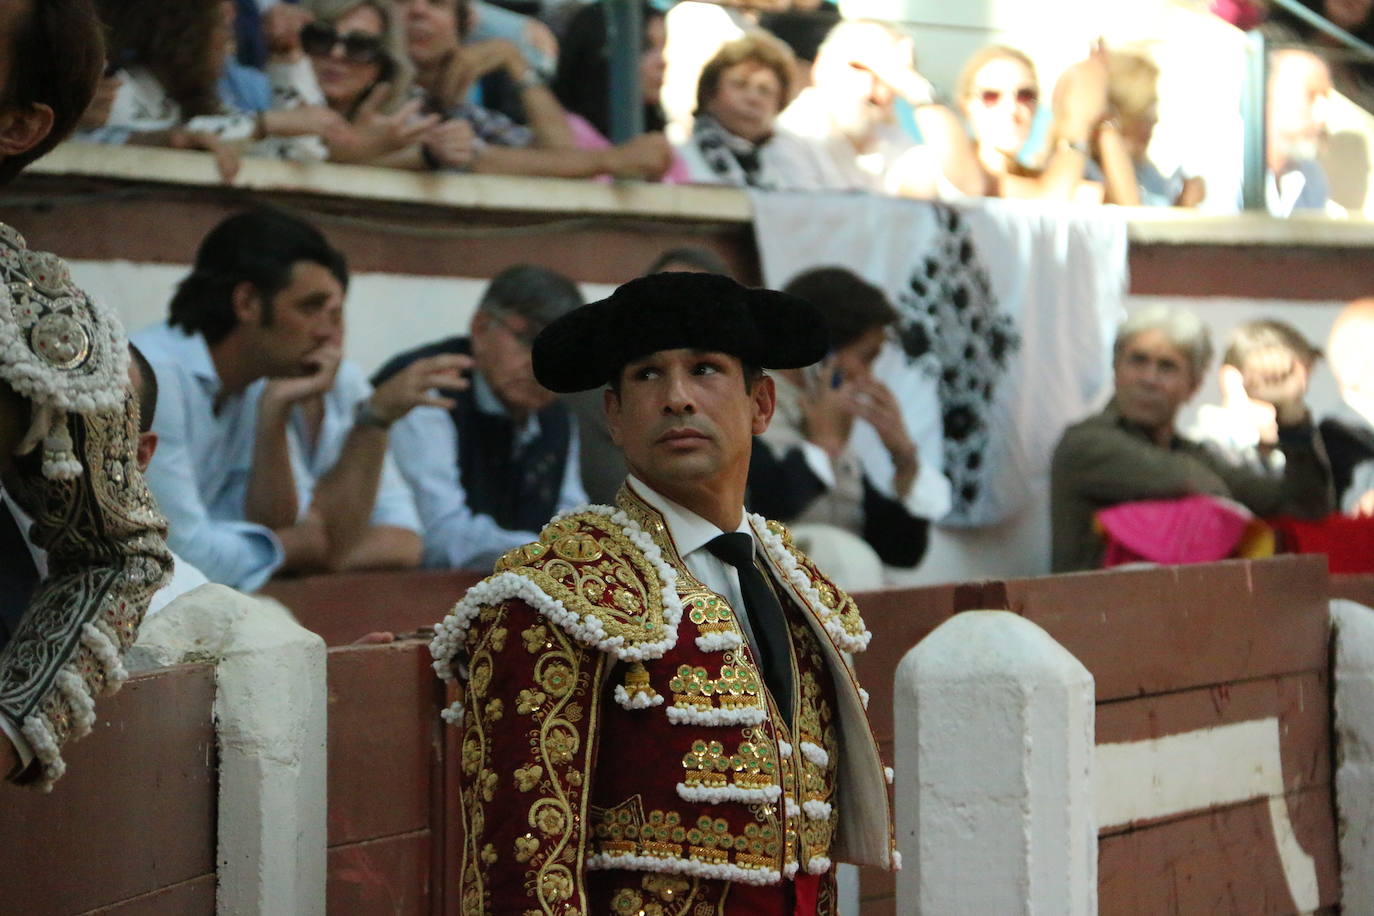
(999, 95)
(353, 61)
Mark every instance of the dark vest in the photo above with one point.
(518, 490)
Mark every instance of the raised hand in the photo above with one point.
(828, 410)
(318, 369)
(452, 143)
(412, 386)
(1276, 376)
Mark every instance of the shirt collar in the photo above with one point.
(487, 402)
(689, 531)
(193, 353)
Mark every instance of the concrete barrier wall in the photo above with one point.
(1213, 753)
(1213, 757)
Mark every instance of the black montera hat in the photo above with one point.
(589, 346)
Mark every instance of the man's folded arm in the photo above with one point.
(1113, 466)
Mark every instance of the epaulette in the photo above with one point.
(595, 573)
(59, 348)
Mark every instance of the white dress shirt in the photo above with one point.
(691, 533)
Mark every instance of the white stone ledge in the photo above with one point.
(620, 200)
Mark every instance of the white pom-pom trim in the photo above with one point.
(642, 699)
(896, 860)
(715, 795)
(671, 865)
(793, 809)
(863, 695)
(719, 641)
(784, 749)
(816, 810)
(818, 865)
(815, 753)
(711, 716)
(454, 714)
(790, 869)
(889, 775)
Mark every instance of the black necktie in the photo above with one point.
(765, 616)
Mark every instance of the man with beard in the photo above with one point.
(1130, 451)
(660, 714)
(489, 470)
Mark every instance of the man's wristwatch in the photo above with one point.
(364, 415)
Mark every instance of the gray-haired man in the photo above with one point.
(1130, 451)
(488, 473)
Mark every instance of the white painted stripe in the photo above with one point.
(1197, 770)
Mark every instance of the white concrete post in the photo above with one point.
(270, 712)
(994, 750)
(1353, 684)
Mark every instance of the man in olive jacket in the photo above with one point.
(1130, 450)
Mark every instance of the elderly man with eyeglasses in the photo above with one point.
(488, 472)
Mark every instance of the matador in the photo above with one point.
(659, 709)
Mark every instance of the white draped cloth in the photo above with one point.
(1014, 304)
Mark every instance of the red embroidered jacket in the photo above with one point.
(619, 751)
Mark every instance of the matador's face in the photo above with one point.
(686, 417)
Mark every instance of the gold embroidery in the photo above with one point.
(527, 702)
(495, 710)
(751, 767)
(737, 686)
(536, 639)
(525, 847)
(628, 902)
(526, 778)
(710, 613)
(580, 547)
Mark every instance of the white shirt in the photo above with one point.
(691, 533)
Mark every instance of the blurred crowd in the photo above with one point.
(772, 96)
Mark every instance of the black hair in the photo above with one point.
(57, 54)
(259, 247)
(536, 293)
(849, 306)
(146, 391)
(582, 83)
(702, 259)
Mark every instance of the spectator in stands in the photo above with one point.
(447, 69)
(1130, 451)
(264, 301)
(1296, 131)
(805, 469)
(999, 94)
(1133, 104)
(1349, 432)
(742, 90)
(67, 423)
(582, 84)
(1243, 429)
(143, 381)
(357, 55)
(173, 57)
(488, 470)
(846, 132)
